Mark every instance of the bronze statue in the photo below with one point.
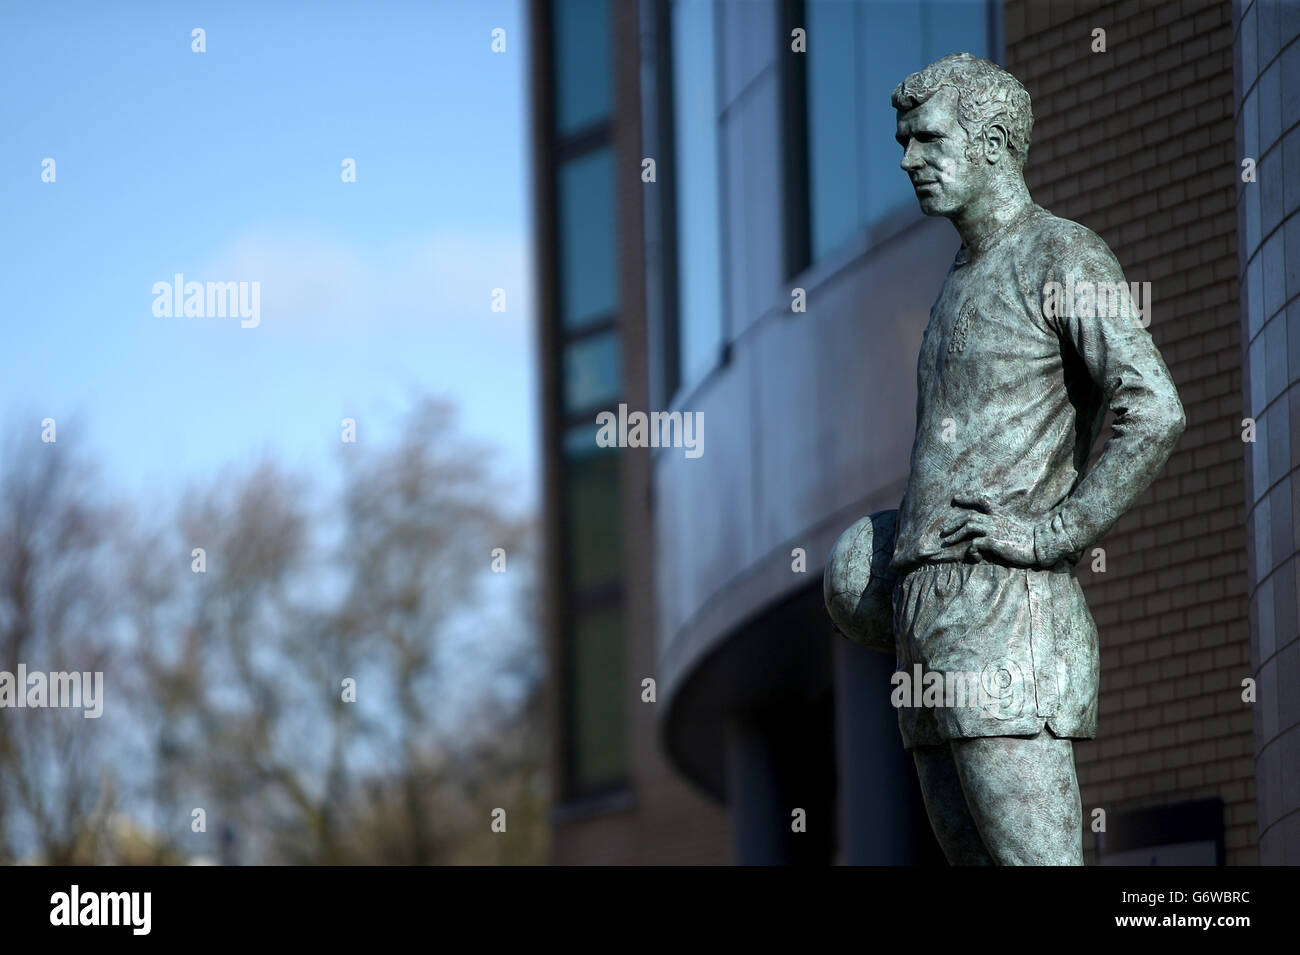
(1034, 336)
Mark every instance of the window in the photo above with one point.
(958, 26)
(832, 123)
(593, 677)
(581, 33)
(591, 372)
(591, 508)
(896, 33)
(589, 271)
(599, 743)
(1180, 834)
(857, 53)
(695, 181)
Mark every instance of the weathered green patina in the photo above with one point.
(1034, 336)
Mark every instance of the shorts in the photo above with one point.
(1018, 641)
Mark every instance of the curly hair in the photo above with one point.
(986, 94)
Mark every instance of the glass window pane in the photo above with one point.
(582, 68)
(833, 167)
(592, 542)
(600, 701)
(592, 375)
(958, 26)
(695, 126)
(893, 40)
(588, 269)
(857, 54)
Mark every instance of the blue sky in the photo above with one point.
(225, 166)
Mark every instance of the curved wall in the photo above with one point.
(807, 427)
(1267, 49)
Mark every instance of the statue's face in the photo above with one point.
(934, 155)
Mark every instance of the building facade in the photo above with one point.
(1266, 48)
(724, 232)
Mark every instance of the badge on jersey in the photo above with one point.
(961, 327)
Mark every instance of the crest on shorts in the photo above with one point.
(961, 327)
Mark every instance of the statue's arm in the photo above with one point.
(1124, 362)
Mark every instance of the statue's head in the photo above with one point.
(963, 123)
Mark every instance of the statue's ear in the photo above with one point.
(995, 142)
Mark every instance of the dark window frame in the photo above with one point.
(1159, 826)
(796, 205)
(571, 604)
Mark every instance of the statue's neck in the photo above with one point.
(988, 217)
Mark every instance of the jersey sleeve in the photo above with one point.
(1087, 300)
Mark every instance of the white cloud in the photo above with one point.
(328, 288)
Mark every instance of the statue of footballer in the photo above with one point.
(1033, 338)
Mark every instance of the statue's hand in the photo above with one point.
(992, 530)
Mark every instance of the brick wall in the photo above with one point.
(1137, 143)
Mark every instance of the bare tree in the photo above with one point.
(328, 679)
(422, 521)
(242, 668)
(58, 605)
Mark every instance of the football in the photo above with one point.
(858, 585)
